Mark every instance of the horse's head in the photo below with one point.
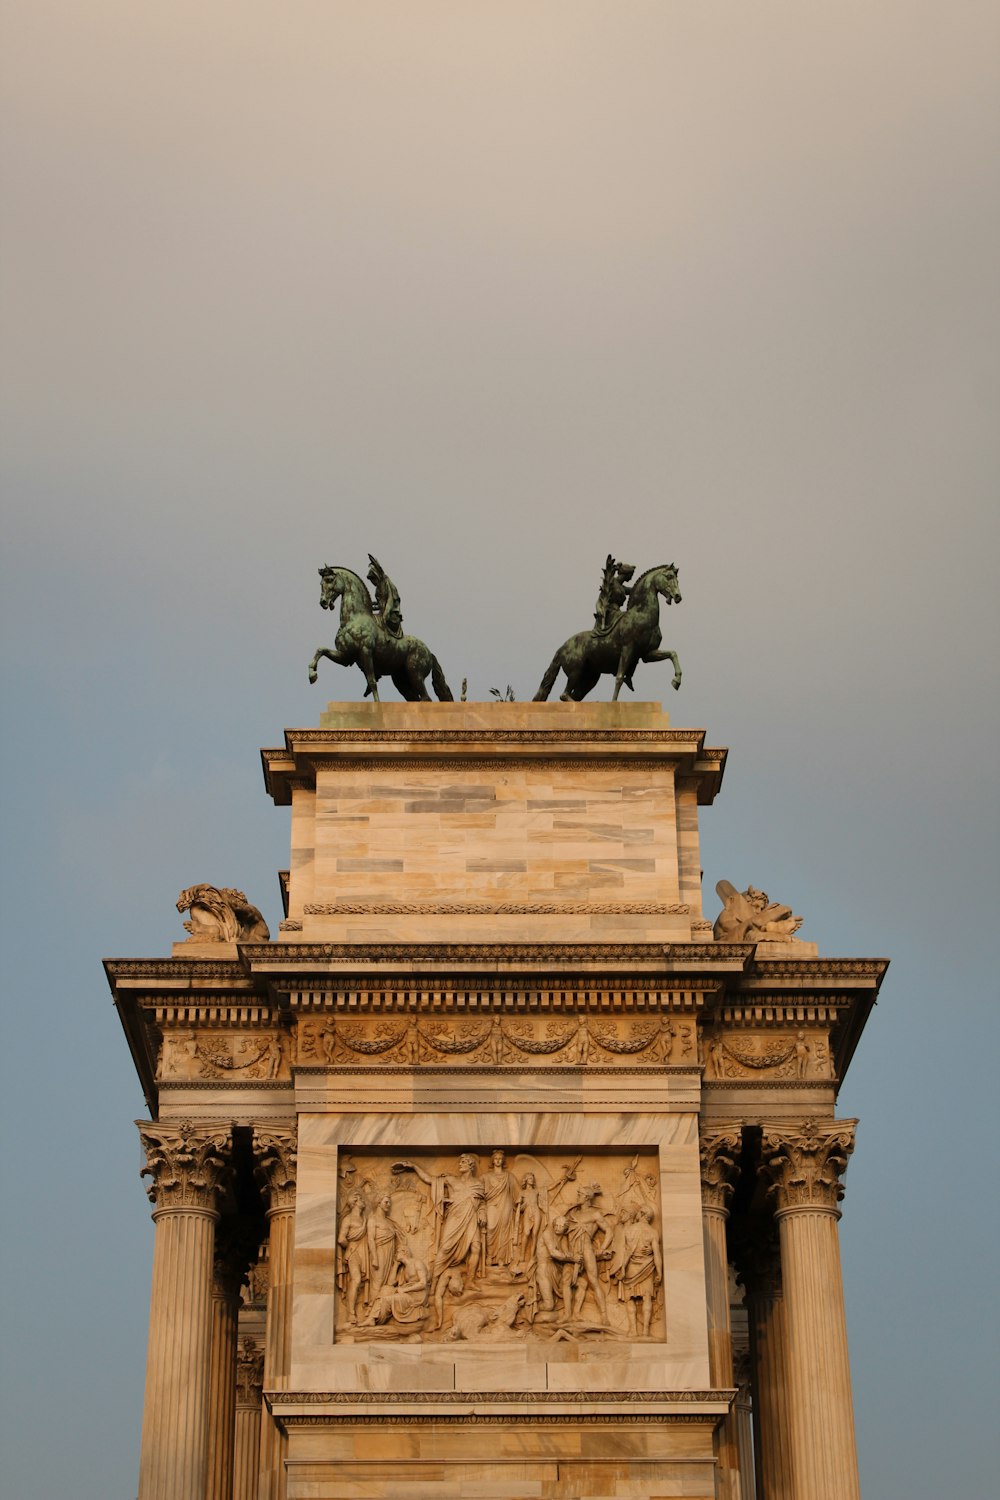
(331, 588)
(665, 582)
(661, 580)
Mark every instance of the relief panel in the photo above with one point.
(527, 1246)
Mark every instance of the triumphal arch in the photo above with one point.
(502, 1170)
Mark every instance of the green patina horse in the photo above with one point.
(632, 637)
(379, 648)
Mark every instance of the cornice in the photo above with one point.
(276, 1400)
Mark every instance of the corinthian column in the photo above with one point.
(760, 1273)
(246, 1449)
(187, 1166)
(804, 1167)
(228, 1270)
(275, 1168)
(719, 1156)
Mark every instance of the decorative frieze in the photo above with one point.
(495, 1040)
(745, 1054)
(186, 1164)
(804, 1166)
(192, 1054)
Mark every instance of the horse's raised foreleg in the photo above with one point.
(667, 656)
(337, 657)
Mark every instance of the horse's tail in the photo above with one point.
(441, 688)
(548, 681)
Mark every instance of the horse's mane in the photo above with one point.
(365, 592)
(643, 576)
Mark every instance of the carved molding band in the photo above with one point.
(187, 1164)
(804, 1167)
(497, 908)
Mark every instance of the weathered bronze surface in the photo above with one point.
(626, 631)
(371, 635)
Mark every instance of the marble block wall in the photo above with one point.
(473, 822)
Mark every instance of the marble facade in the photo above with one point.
(495, 1173)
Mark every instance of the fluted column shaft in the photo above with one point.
(276, 1172)
(246, 1447)
(769, 1384)
(186, 1167)
(742, 1411)
(719, 1155)
(805, 1168)
(222, 1380)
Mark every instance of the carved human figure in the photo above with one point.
(385, 1247)
(585, 1224)
(496, 1039)
(582, 1041)
(556, 1267)
(459, 1200)
(353, 1256)
(502, 1195)
(412, 1041)
(803, 1052)
(668, 1032)
(406, 1301)
(274, 1055)
(328, 1041)
(715, 1054)
(638, 1268)
(528, 1216)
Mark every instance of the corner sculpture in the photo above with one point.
(749, 917)
(371, 635)
(221, 914)
(626, 631)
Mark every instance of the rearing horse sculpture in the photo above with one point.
(632, 637)
(380, 650)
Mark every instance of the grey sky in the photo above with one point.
(490, 290)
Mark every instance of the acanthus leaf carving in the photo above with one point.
(804, 1166)
(187, 1165)
(720, 1154)
(275, 1167)
(249, 1373)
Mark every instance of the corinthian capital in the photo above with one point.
(720, 1155)
(249, 1373)
(187, 1164)
(274, 1153)
(805, 1165)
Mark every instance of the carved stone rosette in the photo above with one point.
(187, 1165)
(719, 1168)
(804, 1167)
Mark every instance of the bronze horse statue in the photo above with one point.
(371, 636)
(631, 636)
